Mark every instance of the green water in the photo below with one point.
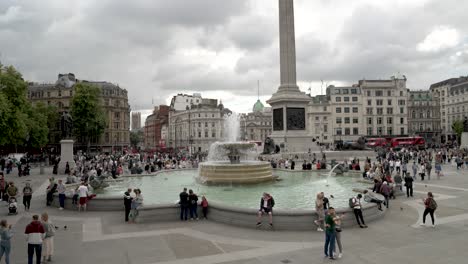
(295, 190)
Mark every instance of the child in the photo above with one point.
(204, 204)
(75, 196)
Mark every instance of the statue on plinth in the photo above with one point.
(269, 146)
(66, 125)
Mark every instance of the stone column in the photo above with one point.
(287, 44)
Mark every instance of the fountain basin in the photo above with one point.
(251, 172)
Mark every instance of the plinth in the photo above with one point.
(66, 155)
(464, 140)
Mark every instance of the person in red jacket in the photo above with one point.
(35, 233)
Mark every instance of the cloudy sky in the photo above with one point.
(157, 48)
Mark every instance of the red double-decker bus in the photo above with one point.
(406, 142)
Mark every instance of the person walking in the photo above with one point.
(438, 169)
(11, 190)
(330, 233)
(5, 240)
(415, 168)
(385, 190)
(137, 202)
(48, 241)
(61, 189)
(428, 169)
(422, 171)
(184, 203)
(266, 207)
(357, 209)
(2, 187)
(204, 205)
(35, 233)
(128, 202)
(409, 185)
(27, 195)
(193, 199)
(431, 206)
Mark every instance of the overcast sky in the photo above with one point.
(157, 48)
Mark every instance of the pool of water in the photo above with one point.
(296, 190)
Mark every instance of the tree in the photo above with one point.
(89, 120)
(136, 137)
(457, 127)
(42, 119)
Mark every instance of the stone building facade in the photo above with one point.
(424, 115)
(196, 128)
(114, 99)
(256, 125)
(319, 116)
(155, 130)
(136, 120)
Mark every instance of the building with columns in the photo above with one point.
(256, 125)
(114, 99)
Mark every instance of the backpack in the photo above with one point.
(432, 204)
(351, 203)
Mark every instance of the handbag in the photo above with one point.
(338, 229)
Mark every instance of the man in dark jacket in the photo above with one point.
(409, 185)
(184, 205)
(127, 203)
(266, 207)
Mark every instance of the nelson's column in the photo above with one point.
(289, 103)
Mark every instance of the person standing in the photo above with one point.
(409, 185)
(48, 241)
(422, 171)
(137, 202)
(330, 233)
(2, 186)
(11, 191)
(193, 199)
(428, 169)
(35, 233)
(27, 195)
(204, 205)
(5, 240)
(319, 209)
(431, 206)
(438, 169)
(184, 203)
(127, 202)
(83, 193)
(61, 189)
(338, 231)
(357, 209)
(415, 170)
(266, 207)
(385, 190)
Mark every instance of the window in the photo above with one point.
(199, 134)
(206, 133)
(428, 115)
(389, 120)
(401, 93)
(378, 93)
(389, 102)
(324, 108)
(379, 130)
(368, 93)
(369, 120)
(421, 115)
(355, 131)
(369, 131)
(413, 114)
(402, 110)
(347, 131)
(339, 131)
(116, 125)
(401, 102)
(379, 120)
(337, 91)
(59, 93)
(213, 124)
(355, 110)
(345, 91)
(353, 91)
(369, 110)
(338, 99)
(199, 124)
(325, 128)
(355, 120)
(402, 131)
(380, 102)
(346, 120)
(338, 120)
(389, 93)
(324, 118)
(346, 109)
(380, 111)
(213, 134)
(117, 115)
(346, 99)
(71, 93)
(402, 120)
(369, 102)
(338, 109)
(389, 131)
(317, 118)
(389, 111)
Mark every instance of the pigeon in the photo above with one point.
(401, 208)
(331, 196)
(65, 227)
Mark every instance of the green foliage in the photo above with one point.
(136, 137)
(89, 120)
(457, 127)
(20, 122)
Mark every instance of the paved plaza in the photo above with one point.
(103, 237)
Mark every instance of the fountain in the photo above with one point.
(233, 162)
